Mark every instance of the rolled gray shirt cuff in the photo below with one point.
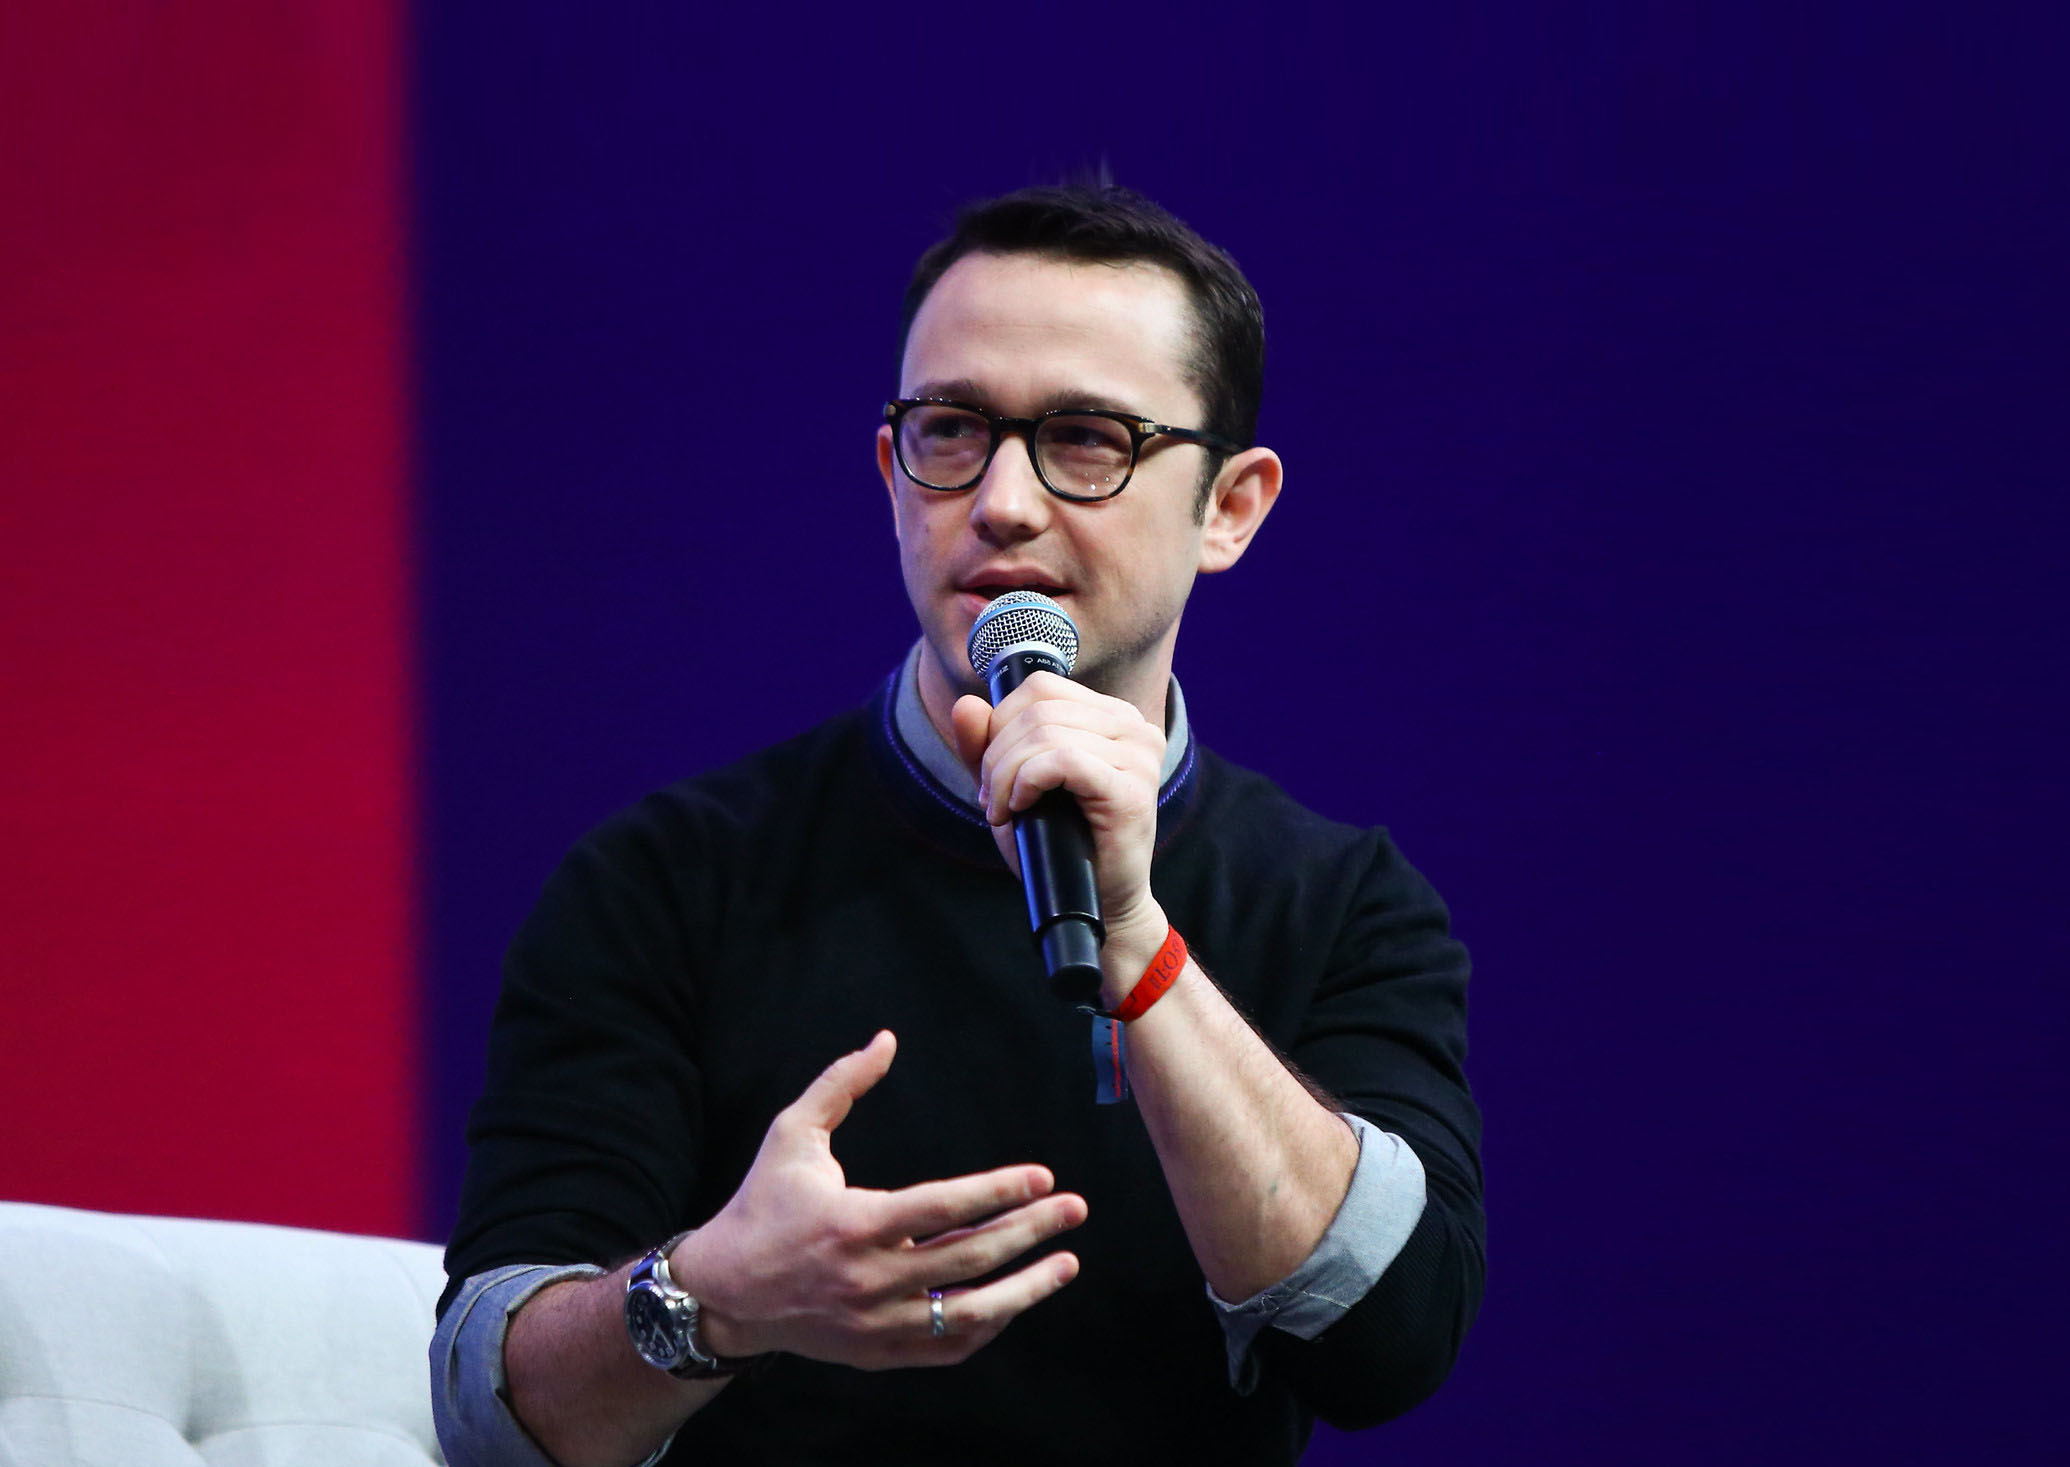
(1373, 1223)
(470, 1394)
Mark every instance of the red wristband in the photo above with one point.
(1162, 973)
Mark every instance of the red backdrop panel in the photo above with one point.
(205, 928)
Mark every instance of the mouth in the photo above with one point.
(992, 592)
(989, 585)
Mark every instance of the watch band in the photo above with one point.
(662, 1318)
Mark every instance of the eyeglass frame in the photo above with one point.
(1140, 431)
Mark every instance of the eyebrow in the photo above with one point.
(962, 389)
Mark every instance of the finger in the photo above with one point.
(903, 1334)
(1020, 718)
(974, 1317)
(1048, 699)
(971, 721)
(1088, 756)
(828, 1099)
(970, 1253)
(1125, 745)
(1089, 773)
(1110, 717)
(928, 1208)
(1009, 851)
(1040, 686)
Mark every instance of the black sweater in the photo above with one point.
(699, 958)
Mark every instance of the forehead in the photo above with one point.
(1029, 328)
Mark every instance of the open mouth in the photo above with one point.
(992, 593)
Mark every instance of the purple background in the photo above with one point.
(1671, 556)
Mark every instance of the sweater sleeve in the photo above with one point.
(584, 1145)
(1385, 1035)
(1379, 1212)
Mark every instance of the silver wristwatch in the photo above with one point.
(662, 1320)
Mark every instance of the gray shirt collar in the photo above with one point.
(918, 732)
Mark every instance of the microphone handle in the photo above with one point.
(1055, 846)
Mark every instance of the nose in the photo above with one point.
(1009, 504)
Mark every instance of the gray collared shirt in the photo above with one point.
(469, 1395)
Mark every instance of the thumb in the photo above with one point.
(971, 719)
(828, 1099)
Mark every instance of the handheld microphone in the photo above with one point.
(1019, 634)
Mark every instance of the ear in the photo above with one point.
(1238, 501)
(887, 467)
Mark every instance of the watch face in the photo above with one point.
(653, 1328)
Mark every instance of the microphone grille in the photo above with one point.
(1019, 617)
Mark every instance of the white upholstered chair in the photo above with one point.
(167, 1342)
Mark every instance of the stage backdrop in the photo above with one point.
(1671, 556)
(207, 830)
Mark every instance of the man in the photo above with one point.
(821, 953)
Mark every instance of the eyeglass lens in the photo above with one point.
(1084, 456)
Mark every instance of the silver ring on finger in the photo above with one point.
(937, 1325)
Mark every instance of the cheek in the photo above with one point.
(920, 547)
(919, 534)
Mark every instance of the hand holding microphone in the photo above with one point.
(1077, 773)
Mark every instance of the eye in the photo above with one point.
(938, 425)
(1085, 437)
(944, 447)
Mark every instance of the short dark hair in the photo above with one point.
(1111, 224)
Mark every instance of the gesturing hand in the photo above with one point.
(799, 1260)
